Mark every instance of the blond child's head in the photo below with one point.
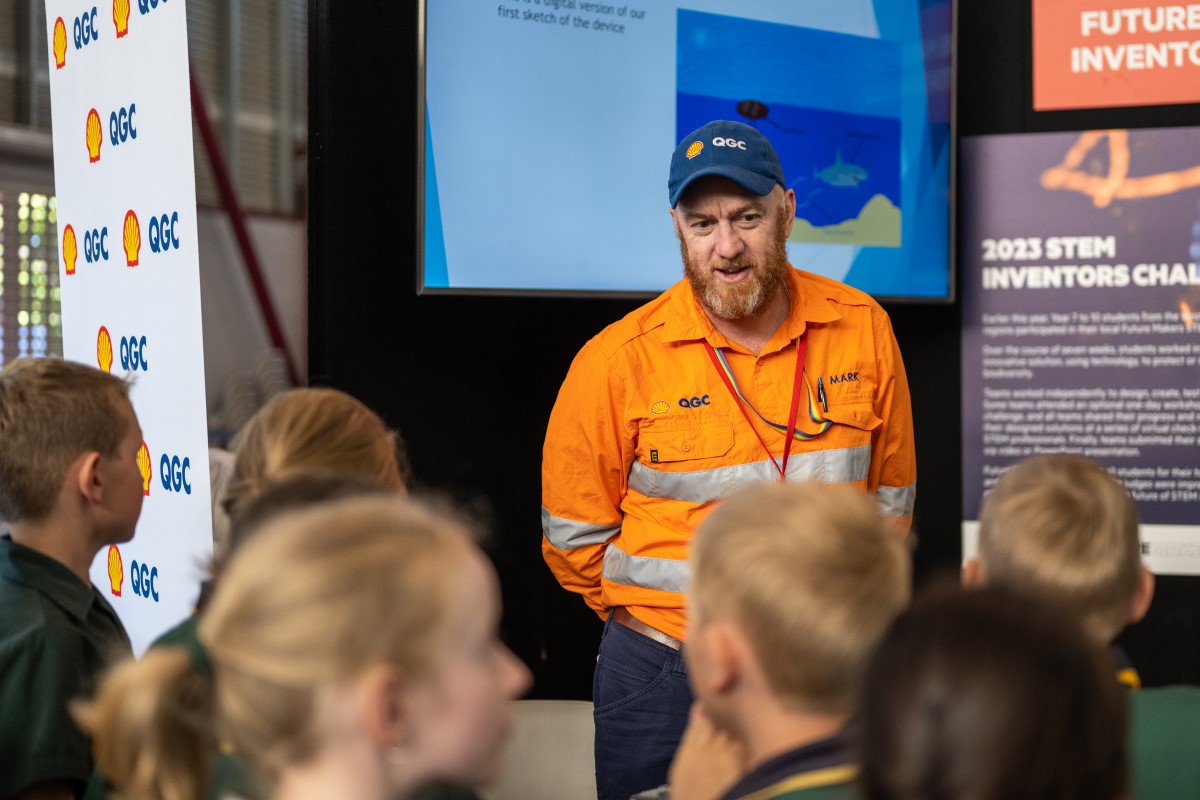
(302, 430)
(56, 416)
(1062, 527)
(370, 621)
(812, 577)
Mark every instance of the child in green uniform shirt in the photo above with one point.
(1064, 529)
(792, 586)
(69, 487)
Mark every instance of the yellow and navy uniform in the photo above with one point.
(646, 437)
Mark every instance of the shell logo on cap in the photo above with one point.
(104, 351)
(661, 407)
(694, 149)
(116, 570)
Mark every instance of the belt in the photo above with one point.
(621, 614)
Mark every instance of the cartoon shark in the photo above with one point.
(841, 173)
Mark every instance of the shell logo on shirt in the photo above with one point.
(60, 43)
(70, 249)
(94, 136)
(661, 407)
(121, 17)
(143, 462)
(131, 238)
(104, 351)
(116, 570)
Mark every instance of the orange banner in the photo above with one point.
(1104, 53)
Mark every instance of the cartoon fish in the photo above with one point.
(841, 173)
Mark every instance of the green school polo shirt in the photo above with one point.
(57, 634)
(1164, 728)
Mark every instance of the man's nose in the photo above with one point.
(729, 241)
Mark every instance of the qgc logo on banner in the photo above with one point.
(130, 276)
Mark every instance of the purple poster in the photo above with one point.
(1081, 317)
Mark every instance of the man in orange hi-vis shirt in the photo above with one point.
(748, 370)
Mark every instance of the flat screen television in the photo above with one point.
(548, 128)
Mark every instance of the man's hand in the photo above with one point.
(707, 762)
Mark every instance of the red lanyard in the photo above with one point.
(740, 400)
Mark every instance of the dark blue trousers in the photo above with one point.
(641, 697)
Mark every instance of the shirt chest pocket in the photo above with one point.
(662, 441)
(859, 416)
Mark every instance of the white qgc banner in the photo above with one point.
(129, 272)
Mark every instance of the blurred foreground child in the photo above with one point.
(990, 695)
(349, 650)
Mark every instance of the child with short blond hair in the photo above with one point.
(1062, 528)
(69, 486)
(792, 586)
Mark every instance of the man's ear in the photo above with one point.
(1142, 597)
(84, 474)
(789, 217)
(972, 574)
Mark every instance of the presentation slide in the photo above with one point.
(549, 127)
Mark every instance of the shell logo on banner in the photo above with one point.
(60, 43)
(121, 17)
(70, 249)
(94, 136)
(116, 570)
(104, 351)
(131, 238)
(143, 462)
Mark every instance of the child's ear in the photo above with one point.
(84, 473)
(722, 650)
(1142, 597)
(381, 708)
(972, 574)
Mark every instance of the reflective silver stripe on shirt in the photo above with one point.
(896, 501)
(663, 574)
(843, 465)
(567, 534)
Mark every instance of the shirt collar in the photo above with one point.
(687, 321)
(21, 564)
(823, 754)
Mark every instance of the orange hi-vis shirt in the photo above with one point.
(645, 437)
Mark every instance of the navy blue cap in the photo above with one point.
(730, 149)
